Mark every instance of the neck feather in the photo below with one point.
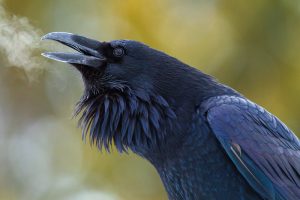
(125, 118)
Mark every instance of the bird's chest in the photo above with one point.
(201, 170)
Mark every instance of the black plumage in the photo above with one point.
(206, 140)
(125, 119)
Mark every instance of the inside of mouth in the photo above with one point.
(75, 48)
(53, 46)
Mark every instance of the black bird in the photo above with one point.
(205, 139)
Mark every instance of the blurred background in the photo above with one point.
(253, 46)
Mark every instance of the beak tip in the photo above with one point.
(46, 37)
(43, 38)
(49, 55)
(46, 55)
(55, 35)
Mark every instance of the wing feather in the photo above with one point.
(263, 149)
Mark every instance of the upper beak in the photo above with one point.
(89, 50)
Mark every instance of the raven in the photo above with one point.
(206, 140)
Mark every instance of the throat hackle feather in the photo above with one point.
(125, 118)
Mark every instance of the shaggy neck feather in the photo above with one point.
(125, 118)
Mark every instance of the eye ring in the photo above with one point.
(118, 52)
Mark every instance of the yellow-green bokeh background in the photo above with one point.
(253, 46)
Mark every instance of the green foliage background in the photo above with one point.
(253, 46)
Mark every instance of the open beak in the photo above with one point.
(88, 50)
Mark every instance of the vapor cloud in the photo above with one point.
(19, 41)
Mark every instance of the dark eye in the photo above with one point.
(118, 52)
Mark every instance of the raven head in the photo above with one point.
(123, 102)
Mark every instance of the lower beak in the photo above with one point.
(88, 50)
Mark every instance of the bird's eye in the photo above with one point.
(118, 52)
